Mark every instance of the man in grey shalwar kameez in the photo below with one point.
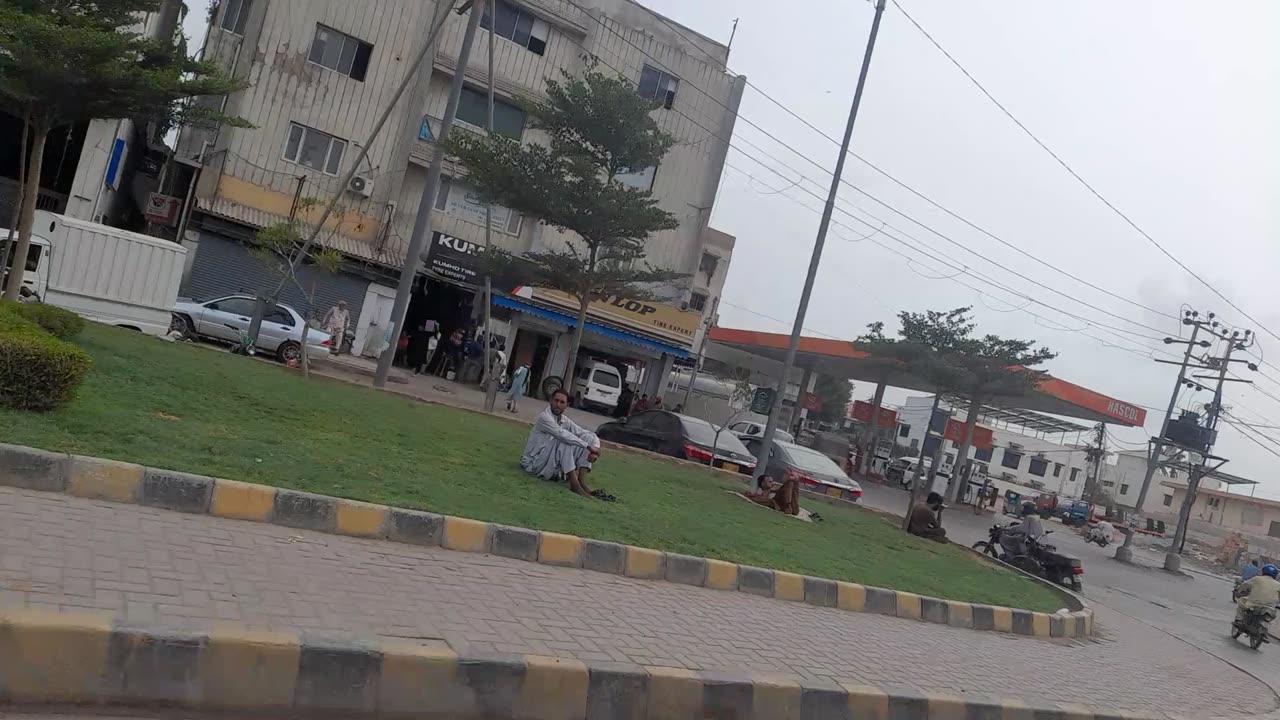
(559, 447)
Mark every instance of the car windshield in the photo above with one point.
(703, 433)
(607, 379)
(812, 461)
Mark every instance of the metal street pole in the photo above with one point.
(766, 442)
(260, 304)
(422, 222)
(1124, 553)
(1173, 559)
(490, 382)
(702, 347)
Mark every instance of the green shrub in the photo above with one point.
(62, 324)
(37, 370)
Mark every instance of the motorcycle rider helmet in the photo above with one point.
(1028, 508)
(1270, 570)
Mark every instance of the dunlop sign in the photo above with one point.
(644, 315)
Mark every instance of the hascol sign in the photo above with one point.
(644, 315)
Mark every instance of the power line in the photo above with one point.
(1076, 175)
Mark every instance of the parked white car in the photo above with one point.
(226, 319)
(747, 429)
(597, 384)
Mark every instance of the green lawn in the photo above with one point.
(192, 409)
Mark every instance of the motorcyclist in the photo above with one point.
(1259, 593)
(1027, 527)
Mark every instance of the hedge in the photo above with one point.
(62, 324)
(37, 370)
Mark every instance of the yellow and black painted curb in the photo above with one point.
(91, 659)
(100, 479)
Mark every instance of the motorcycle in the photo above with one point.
(1041, 559)
(1255, 624)
(1098, 536)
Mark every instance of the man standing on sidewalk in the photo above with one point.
(335, 323)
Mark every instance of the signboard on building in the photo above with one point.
(762, 401)
(954, 432)
(453, 258)
(162, 209)
(861, 411)
(644, 315)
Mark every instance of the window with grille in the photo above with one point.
(236, 15)
(517, 25)
(341, 52)
(1011, 459)
(473, 109)
(698, 302)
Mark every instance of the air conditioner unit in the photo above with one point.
(361, 186)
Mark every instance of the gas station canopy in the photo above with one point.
(839, 358)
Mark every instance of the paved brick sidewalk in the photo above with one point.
(196, 570)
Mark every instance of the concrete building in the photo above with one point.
(1021, 458)
(1223, 510)
(319, 72)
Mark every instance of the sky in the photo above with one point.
(1167, 108)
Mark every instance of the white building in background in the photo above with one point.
(320, 71)
(1023, 458)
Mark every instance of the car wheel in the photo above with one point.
(182, 324)
(289, 352)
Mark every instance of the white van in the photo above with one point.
(596, 384)
(102, 273)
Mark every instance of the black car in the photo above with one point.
(680, 436)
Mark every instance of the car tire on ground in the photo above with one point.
(288, 351)
(182, 324)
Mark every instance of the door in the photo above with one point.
(375, 317)
(227, 318)
(278, 326)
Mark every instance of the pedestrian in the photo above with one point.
(926, 519)
(657, 402)
(642, 404)
(518, 380)
(335, 323)
(421, 343)
(625, 398)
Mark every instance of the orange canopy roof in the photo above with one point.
(839, 358)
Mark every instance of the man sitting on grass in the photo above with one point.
(926, 520)
(559, 447)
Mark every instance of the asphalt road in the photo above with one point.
(1195, 607)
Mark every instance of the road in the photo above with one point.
(1194, 608)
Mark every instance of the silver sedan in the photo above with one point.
(227, 319)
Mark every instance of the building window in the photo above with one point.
(983, 454)
(707, 266)
(339, 51)
(1075, 474)
(1250, 515)
(1214, 502)
(1168, 501)
(904, 430)
(698, 302)
(915, 444)
(1124, 489)
(461, 201)
(1038, 466)
(236, 15)
(640, 180)
(1274, 530)
(658, 86)
(473, 109)
(311, 148)
(1011, 459)
(1057, 469)
(517, 25)
(1108, 483)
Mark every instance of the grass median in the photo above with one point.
(185, 408)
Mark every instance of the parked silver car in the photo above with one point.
(227, 319)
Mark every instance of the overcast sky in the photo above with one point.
(1167, 107)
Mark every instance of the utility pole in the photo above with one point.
(1124, 553)
(702, 348)
(1235, 341)
(422, 222)
(1096, 454)
(766, 442)
(260, 303)
(490, 384)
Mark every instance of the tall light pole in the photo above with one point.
(766, 442)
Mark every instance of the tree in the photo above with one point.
(599, 130)
(279, 244)
(976, 368)
(835, 393)
(66, 61)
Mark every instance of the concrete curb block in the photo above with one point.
(33, 469)
(90, 660)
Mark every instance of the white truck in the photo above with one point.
(104, 274)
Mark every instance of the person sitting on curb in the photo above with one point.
(558, 447)
(926, 519)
